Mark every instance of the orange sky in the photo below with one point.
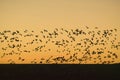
(39, 14)
(59, 12)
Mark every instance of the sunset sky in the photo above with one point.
(37, 15)
(59, 12)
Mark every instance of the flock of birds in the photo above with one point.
(63, 46)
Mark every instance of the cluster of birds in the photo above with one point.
(64, 46)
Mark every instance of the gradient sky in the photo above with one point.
(32, 14)
(59, 12)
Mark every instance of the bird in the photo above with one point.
(80, 46)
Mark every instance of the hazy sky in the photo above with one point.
(60, 12)
(30, 14)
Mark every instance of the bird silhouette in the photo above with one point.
(80, 46)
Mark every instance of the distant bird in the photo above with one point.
(96, 27)
(80, 46)
(87, 27)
